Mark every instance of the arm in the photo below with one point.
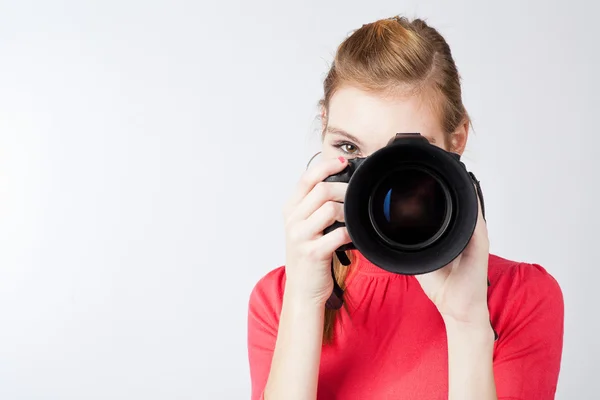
(524, 363)
(284, 341)
(470, 360)
(285, 347)
(295, 368)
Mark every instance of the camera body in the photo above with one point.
(344, 177)
(410, 207)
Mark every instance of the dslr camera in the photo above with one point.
(410, 207)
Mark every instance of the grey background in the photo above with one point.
(146, 150)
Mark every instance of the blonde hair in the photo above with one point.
(395, 56)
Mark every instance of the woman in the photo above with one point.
(423, 337)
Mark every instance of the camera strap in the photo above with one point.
(336, 299)
(479, 193)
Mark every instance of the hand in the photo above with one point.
(314, 206)
(459, 290)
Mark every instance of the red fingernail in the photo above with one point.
(342, 159)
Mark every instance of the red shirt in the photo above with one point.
(391, 344)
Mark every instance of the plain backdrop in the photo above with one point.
(147, 148)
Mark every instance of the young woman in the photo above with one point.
(422, 337)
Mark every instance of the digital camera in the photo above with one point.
(410, 207)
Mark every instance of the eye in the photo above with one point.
(346, 147)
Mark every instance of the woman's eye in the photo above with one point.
(348, 148)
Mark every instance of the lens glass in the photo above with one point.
(410, 207)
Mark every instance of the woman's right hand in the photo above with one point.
(314, 206)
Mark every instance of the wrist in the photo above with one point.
(476, 318)
(478, 331)
(300, 301)
(470, 359)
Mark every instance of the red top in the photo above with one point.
(391, 344)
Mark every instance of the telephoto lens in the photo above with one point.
(410, 207)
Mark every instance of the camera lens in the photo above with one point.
(410, 208)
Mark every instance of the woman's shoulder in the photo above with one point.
(524, 294)
(267, 293)
(504, 272)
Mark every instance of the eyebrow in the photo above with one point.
(352, 138)
(341, 132)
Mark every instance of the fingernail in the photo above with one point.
(342, 159)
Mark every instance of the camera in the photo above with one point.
(410, 207)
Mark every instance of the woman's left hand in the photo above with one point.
(459, 290)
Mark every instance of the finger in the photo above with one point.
(313, 175)
(479, 242)
(326, 245)
(476, 254)
(323, 217)
(317, 197)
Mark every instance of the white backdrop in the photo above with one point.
(147, 147)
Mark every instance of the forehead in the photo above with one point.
(374, 118)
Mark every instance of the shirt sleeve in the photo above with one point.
(263, 321)
(527, 354)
